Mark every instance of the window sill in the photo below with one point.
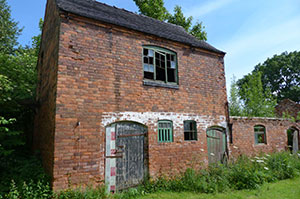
(160, 84)
(260, 144)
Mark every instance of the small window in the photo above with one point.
(159, 64)
(165, 131)
(190, 130)
(260, 134)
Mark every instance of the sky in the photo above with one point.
(249, 31)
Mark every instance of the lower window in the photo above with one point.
(165, 131)
(190, 130)
(260, 134)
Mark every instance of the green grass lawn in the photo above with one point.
(285, 189)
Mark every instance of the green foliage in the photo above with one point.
(9, 30)
(179, 19)
(30, 191)
(153, 8)
(86, 193)
(20, 167)
(280, 74)
(235, 106)
(198, 31)
(9, 140)
(257, 102)
(36, 40)
(156, 10)
(243, 173)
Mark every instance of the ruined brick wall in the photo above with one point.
(100, 81)
(289, 107)
(44, 126)
(243, 135)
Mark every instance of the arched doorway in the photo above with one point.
(126, 155)
(293, 139)
(216, 145)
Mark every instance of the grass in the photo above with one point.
(285, 189)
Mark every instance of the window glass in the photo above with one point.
(159, 65)
(190, 130)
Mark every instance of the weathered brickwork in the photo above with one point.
(91, 75)
(287, 107)
(44, 128)
(243, 135)
(100, 73)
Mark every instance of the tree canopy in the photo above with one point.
(157, 10)
(9, 30)
(251, 100)
(280, 74)
(17, 82)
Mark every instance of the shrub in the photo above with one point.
(82, 193)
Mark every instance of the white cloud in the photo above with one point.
(204, 9)
(269, 37)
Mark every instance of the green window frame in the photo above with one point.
(190, 130)
(260, 134)
(165, 131)
(160, 64)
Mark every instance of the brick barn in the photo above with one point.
(123, 96)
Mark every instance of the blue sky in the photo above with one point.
(249, 31)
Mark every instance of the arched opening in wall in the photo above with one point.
(126, 155)
(216, 145)
(293, 139)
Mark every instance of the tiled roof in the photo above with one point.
(108, 14)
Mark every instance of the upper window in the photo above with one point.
(260, 134)
(190, 131)
(159, 64)
(165, 131)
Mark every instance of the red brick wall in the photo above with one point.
(44, 127)
(100, 79)
(243, 135)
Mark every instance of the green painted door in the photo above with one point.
(216, 145)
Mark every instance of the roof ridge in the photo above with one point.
(119, 16)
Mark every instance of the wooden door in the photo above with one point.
(130, 155)
(216, 145)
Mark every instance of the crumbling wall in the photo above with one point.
(100, 80)
(243, 140)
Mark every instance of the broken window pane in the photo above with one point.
(164, 63)
(146, 60)
(145, 51)
(150, 60)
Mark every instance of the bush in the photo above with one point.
(80, 193)
(243, 173)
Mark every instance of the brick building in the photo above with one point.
(253, 136)
(123, 96)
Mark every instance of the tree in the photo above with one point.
(257, 102)
(156, 10)
(17, 81)
(153, 8)
(235, 106)
(9, 30)
(281, 75)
